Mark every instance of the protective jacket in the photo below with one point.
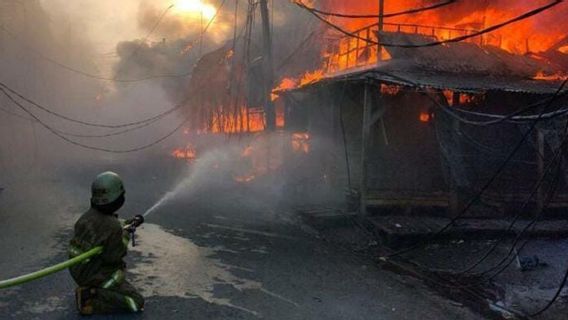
(98, 229)
(103, 274)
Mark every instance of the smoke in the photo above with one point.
(43, 50)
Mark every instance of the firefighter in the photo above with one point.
(102, 288)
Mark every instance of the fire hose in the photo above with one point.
(50, 270)
(130, 227)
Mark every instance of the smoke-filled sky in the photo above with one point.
(100, 37)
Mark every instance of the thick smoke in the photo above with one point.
(51, 51)
(175, 43)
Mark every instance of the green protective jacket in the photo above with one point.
(98, 229)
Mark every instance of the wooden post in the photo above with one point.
(540, 169)
(268, 66)
(366, 130)
(381, 27)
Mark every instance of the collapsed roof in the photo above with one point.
(462, 66)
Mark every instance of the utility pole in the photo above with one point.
(268, 66)
(380, 28)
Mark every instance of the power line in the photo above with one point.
(91, 124)
(14, 114)
(113, 134)
(435, 43)
(556, 296)
(73, 142)
(514, 117)
(375, 16)
(535, 189)
(76, 135)
(486, 185)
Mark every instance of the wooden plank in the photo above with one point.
(366, 129)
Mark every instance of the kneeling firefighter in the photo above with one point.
(101, 279)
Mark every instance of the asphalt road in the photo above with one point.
(217, 251)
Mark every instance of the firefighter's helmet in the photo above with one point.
(106, 188)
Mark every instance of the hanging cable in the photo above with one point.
(91, 124)
(375, 16)
(537, 186)
(73, 142)
(485, 186)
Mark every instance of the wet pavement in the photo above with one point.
(524, 291)
(220, 251)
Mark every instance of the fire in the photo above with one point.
(195, 9)
(390, 90)
(539, 32)
(534, 35)
(549, 77)
(301, 142)
(425, 117)
(286, 83)
(244, 179)
(188, 153)
(243, 120)
(310, 77)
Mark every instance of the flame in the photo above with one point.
(424, 117)
(310, 77)
(541, 31)
(195, 9)
(390, 90)
(188, 153)
(244, 179)
(536, 34)
(244, 120)
(449, 94)
(301, 142)
(286, 83)
(549, 77)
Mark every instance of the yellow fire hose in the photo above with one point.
(50, 270)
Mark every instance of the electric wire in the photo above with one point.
(376, 16)
(556, 296)
(535, 189)
(485, 186)
(112, 134)
(86, 123)
(76, 135)
(450, 283)
(498, 26)
(14, 114)
(79, 144)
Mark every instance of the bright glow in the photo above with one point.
(196, 8)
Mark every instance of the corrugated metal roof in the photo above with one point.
(453, 81)
(462, 57)
(462, 67)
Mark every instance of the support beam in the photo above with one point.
(540, 169)
(365, 134)
(381, 28)
(268, 66)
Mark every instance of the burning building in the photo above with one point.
(420, 125)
